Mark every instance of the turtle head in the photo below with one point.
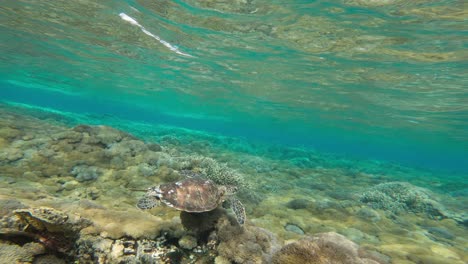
(154, 191)
(231, 190)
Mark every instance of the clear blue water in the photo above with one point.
(381, 80)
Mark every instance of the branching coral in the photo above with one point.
(220, 173)
(397, 197)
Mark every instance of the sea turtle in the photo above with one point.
(194, 195)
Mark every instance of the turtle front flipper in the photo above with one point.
(147, 202)
(238, 209)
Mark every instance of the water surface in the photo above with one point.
(374, 79)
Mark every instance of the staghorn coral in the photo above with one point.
(206, 167)
(220, 173)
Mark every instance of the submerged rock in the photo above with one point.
(13, 253)
(48, 259)
(294, 228)
(248, 244)
(55, 229)
(44, 219)
(34, 231)
(188, 242)
(9, 205)
(298, 204)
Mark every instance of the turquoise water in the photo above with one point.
(327, 102)
(381, 80)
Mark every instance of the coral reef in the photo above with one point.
(95, 249)
(27, 234)
(323, 248)
(81, 183)
(249, 244)
(398, 197)
(85, 173)
(231, 242)
(45, 227)
(220, 173)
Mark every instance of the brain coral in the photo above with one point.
(323, 248)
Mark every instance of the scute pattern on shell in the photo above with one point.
(192, 195)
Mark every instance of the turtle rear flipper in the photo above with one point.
(238, 209)
(147, 202)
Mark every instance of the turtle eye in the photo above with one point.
(152, 191)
